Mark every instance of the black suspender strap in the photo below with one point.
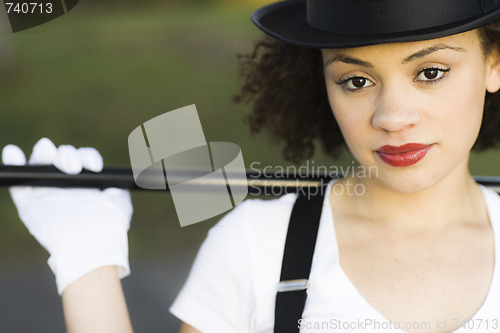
(297, 260)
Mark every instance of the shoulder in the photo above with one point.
(493, 204)
(492, 200)
(257, 211)
(253, 224)
(237, 268)
(257, 222)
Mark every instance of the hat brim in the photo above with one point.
(286, 21)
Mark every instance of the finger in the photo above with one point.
(68, 160)
(13, 155)
(91, 159)
(44, 152)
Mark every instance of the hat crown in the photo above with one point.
(391, 16)
(354, 23)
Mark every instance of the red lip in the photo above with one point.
(403, 156)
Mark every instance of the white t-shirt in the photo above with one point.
(233, 282)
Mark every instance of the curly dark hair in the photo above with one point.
(286, 85)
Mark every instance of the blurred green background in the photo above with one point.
(92, 76)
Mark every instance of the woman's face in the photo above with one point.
(413, 110)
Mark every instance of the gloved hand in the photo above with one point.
(82, 229)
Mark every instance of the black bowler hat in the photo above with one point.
(352, 23)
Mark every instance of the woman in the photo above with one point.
(403, 84)
(406, 83)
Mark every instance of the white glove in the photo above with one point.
(82, 229)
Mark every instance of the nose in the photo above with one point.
(396, 109)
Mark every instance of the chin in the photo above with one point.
(408, 183)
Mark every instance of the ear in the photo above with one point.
(493, 71)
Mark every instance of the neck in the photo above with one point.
(454, 199)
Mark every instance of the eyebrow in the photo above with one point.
(348, 60)
(429, 50)
(419, 54)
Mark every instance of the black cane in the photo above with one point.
(258, 181)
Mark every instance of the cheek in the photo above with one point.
(462, 107)
(350, 113)
(354, 121)
(349, 117)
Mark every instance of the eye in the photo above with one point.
(431, 74)
(355, 83)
